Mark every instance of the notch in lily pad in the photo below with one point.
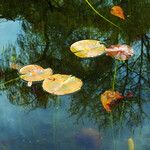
(88, 48)
(32, 73)
(59, 84)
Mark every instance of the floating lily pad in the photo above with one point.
(61, 84)
(30, 68)
(34, 73)
(88, 48)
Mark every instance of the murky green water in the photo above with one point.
(41, 32)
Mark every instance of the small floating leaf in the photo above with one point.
(117, 11)
(61, 84)
(131, 144)
(109, 97)
(34, 73)
(87, 48)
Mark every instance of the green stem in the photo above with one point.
(101, 15)
(128, 66)
(114, 77)
(10, 81)
(58, 102)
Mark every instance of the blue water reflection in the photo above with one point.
(8, 31)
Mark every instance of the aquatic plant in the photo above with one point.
(93, 48)
(59, 84)
(101, 15)
(56, 84)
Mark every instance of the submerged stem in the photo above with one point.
(10, 81)
(115, 75)
(128, 66)
(101, 15)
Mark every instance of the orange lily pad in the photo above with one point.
(88, 48)
(32, 73)
(117, 11)
(59, 84)
(108, 97)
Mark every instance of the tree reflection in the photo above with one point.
(133, 76)
(48, 30)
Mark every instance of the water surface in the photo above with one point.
(41, 33)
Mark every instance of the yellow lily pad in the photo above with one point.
(59, 84)
(88, 48)
(30, 68)
(34, 73)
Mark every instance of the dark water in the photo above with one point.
(41, 32)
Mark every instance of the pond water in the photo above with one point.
(41, 33)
